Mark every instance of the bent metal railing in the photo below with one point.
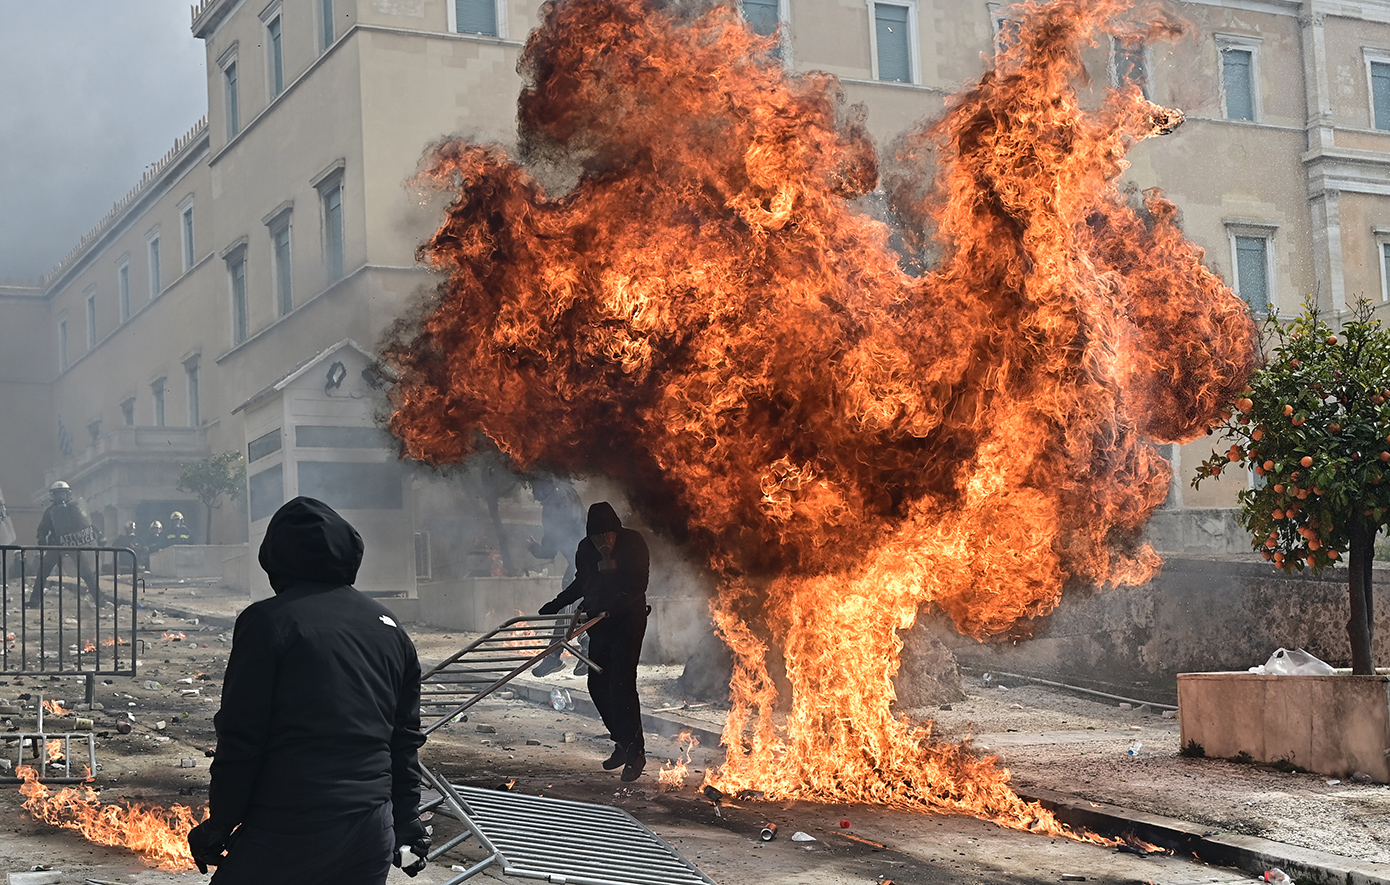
(63, 634)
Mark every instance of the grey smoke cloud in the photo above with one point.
(91, 92)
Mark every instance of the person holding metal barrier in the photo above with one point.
(66, 524)
(315, 779)
(612, 566)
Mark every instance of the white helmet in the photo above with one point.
(176, 516)
(60, 491)
(59, 485)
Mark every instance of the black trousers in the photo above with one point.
(354, 852)
(615, 644)
(50, 562)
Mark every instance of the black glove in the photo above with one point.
(552, 607)
(207, 842)
(411, 834)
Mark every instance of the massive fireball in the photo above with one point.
(713, 317)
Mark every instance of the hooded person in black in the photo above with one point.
(315, 778)
(611, 568)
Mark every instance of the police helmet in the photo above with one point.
(176, 516)
(60, 491)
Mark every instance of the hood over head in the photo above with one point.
(602, 518)
(307, 540)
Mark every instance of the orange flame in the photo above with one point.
(711, 317)
(56, 708)
(672, 774)
(54, 750)
(172, 637)
(108, 643)
(158, 835)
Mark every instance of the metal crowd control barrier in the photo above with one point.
(449, 688)
(557, 840)
(61, 635)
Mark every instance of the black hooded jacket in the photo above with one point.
(615, 584)
(320, 717)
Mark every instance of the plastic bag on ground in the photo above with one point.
(1295, 662)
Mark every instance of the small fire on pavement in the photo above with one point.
(159, 835)
(672, 774)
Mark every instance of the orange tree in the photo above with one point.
(1314, 427)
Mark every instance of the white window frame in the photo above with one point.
(914, 49)
(90, 300)
(282, 219)
(231, 92)
(154, 257)
(233, 255)
(62, 342)
(192, 378)
(1375, 55)
(784, 28)
(1251, 45)
(1266, 230)
(123, 306)
(1147, 87)
(326, 20)
(188, 232)
(998, 14)
(159, 393)
(502, 32)
(268, 16)
(1382, 239)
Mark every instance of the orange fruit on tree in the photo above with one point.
(1306, 460)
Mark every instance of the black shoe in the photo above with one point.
(34, 603)
(547, 666)
(581, 669)
(635, 763)
(618, 759)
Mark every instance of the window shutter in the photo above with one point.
(1252, 272)
(762, 16)
(894, 50)
(1236, 71)
(476, 17)
(1380, 94)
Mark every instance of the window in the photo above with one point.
(186, 227)
(476, 17)
(1238, 96)
(280, 256)
(1130, 64)
(157, 388)
(153, 244)
(267, 492)
(128, 411)
(275, 57)
(1383, 253)
(233, 105)
(94, 431)
(263, 445)
(1379, 71)
(123, 288)
(91, 318)
(1003, 27)
(422, 555)
(347, 485)
(195, 404)
(332, 195)
(763, 16)
(236, 276)
(62, 343)
(325, 24)
(893, 46)
(1252, 254)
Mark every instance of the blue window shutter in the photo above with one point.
(1237, 72)
(894, 50)
(476, 17)
(1252, 272)
(1380, 94)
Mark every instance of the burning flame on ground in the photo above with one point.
(108, 643)
(172, 637)
(56, 708)
(54, 750)
(712, 317)
(672, 774)
(158, 835)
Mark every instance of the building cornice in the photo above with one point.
(1347, 169)
(209, 15)
(187, 151)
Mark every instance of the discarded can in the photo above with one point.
(83, 724)
(844, 825)
(769, 832)
(122, 726)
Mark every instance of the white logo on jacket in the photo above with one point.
(387, 621)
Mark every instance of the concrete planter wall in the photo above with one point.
(1333, 725)
(230, 562)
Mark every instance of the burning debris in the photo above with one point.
(158, 835)
(710, 317)
(672, 774)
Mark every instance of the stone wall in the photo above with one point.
(1201, 613)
